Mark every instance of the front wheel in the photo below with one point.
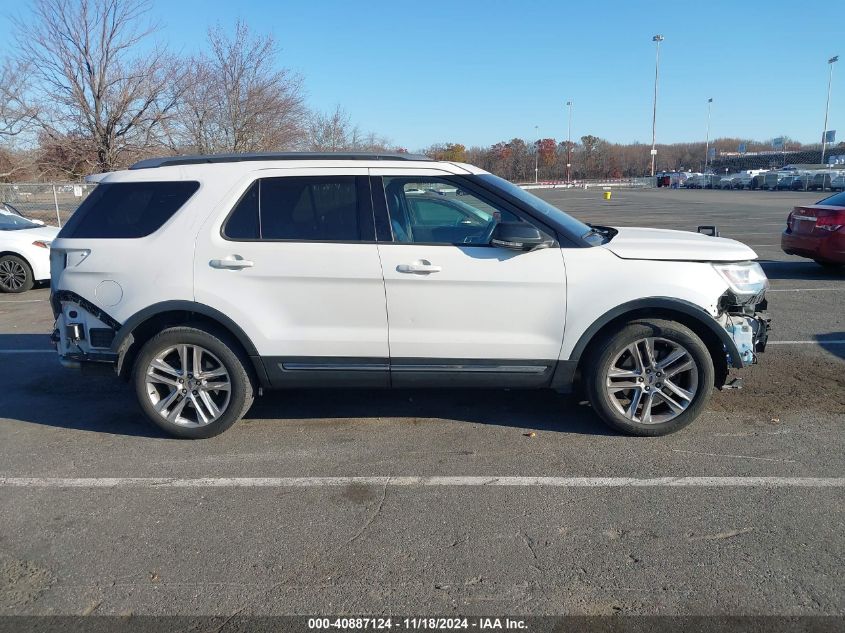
(649, 378)
(192, 382)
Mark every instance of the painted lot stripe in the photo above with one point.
(822, 342)
(808, 342)
(25, 301)
(805, 290)
(27, 351)
(329, 482)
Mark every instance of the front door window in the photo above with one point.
(436, 211)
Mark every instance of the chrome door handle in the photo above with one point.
(421, 266)
(233, 262)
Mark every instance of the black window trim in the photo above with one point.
(385, 234)
(365, 211)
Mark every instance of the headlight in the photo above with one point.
(746, 279)
(42, 243)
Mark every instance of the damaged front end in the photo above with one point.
(740, 309)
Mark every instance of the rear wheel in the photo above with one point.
(15, 274)
(649, 378)
(192, 382)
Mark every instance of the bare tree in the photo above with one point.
(331, 132)
(16, 116)
(16, 119)
(237, 100)
(334, 132)
(96, 82)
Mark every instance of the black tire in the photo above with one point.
(12, 265)
(227, 352)
(602, 354)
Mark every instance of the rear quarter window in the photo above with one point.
(128, 210)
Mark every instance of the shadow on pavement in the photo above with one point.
(25, 341)
(806, 270)
(538, 410)
(826, 343)
(41, 391)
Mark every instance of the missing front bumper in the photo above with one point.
(750, 334)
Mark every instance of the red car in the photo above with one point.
(817, 231)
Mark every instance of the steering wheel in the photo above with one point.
(484, 238)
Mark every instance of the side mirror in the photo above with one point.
(517, 236)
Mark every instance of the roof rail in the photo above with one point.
(169, 161)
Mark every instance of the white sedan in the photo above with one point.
(25, 249)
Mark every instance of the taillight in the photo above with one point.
(830, 220)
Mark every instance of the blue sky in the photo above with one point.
(477, 72)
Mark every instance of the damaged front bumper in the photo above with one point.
(749, 334)
(746, 325)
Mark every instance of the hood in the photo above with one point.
(663, 244)
(46, 233)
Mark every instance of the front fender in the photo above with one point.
(664, 304)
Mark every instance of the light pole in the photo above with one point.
(707, 142)
(658, 39)
(536, 153)
(830, 63)
(569, 145)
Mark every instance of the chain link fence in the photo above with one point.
(51, 202)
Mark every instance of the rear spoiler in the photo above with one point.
(95, 178)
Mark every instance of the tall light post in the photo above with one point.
(657, 39)
(536, 153)
(707, 142)
(569, 144)
(830, 63)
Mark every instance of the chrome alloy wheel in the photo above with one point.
(188, 385)
(652, 380)
(12, 274)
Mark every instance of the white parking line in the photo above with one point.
(821, 342)
(808, 342)
(805, 290)
(327, 482)
(24, 301)
(27, 351)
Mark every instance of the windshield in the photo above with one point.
(574, 226)
(7, 208)
(9, 222)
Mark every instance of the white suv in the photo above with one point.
(206, 279)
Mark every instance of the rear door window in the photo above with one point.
(128, 210)
(298, 208)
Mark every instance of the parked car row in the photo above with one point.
(771, 181)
